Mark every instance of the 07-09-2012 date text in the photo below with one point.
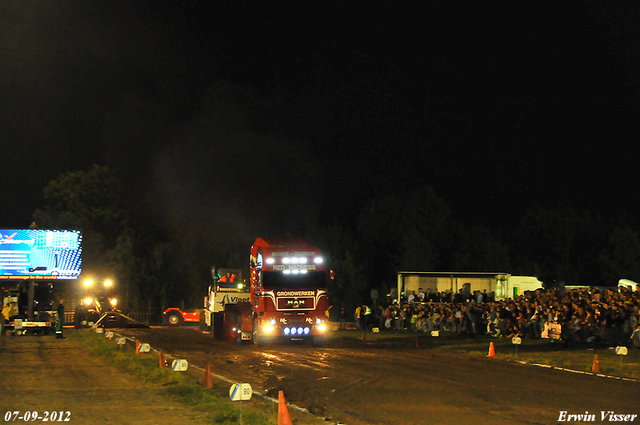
(32, 416)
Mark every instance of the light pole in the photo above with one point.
(87, 292)
(108, 284)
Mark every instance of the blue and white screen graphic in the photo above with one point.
(40, 254)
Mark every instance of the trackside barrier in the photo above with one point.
(179, 365)
(516, 340)
(239, 392)
(244, 390)
(621, 351)
(142, 347)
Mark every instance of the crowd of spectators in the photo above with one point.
(581, 315)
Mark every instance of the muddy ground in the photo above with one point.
(355, 382)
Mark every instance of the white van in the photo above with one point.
(627, 282)
(513, 286)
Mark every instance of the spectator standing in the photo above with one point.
(343, 318)
(365, 314)
(60, 319)
(380, 310)
(398, 318)
(6, 312)
(412, 297)
(5, 316)
(421, 295)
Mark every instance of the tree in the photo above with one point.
(411, 232)
(560, 243)
(87, 201)
(621, 257)
(428, 231)
(349, 286)
(379, 236)
(481, 250)
(142, 261)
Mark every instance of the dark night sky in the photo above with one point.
(306, 111)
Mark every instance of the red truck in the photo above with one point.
(286, 299)
(288, 293)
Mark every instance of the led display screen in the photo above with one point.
(40, 254)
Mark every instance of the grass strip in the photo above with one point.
(212, 402)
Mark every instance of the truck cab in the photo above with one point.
(227, 296)
(289, 291)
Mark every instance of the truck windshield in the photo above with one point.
(229, 279)
(279, 280)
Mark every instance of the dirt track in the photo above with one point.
(349, 382)
(366, 384)
(47, 375)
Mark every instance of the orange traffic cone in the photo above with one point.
(137, 347)
(283, 412)
(161, 361)
(208, 383)
(364, 337)
(492, 350)
(416, 345)
(596, 364)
